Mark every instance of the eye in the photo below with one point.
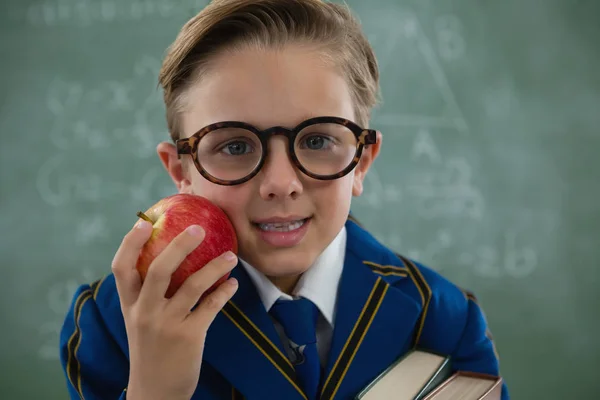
(316, 142)
(237, 148)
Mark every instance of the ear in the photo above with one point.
(369, 155)
(167, 152)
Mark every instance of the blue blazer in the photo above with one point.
(387, 305)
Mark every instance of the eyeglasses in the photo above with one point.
(232, 152)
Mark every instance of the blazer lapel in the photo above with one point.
(243, 345)
(374, 321)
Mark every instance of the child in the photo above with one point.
(268, 104)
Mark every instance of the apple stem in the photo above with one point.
(144, 217)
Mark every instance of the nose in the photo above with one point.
(280, 178)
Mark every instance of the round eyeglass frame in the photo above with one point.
(190, 145)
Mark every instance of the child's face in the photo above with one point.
(272, 88)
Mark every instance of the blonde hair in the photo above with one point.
(230, 24)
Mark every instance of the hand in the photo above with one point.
(166, 339)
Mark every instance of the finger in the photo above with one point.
(199, 282)
(127, 278)
(210, 306)
(166, 262)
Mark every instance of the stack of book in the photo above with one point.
(425, 375)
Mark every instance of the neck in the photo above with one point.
(285, 283)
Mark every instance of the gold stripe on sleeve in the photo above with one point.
(235, 394)
(424, 291)
(73, 366)
(488, 333)
(96, 286)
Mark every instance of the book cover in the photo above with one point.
(411, 377)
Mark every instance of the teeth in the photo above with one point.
(281, 227)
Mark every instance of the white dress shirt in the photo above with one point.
(319, 284)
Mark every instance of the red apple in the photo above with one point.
(173, 214)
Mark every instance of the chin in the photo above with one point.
(287, 262)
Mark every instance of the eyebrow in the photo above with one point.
(310, 115)
(303, 117)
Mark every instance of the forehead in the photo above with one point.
(266, 88)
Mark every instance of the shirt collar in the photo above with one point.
(319, 283)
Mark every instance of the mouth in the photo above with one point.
(281, 224)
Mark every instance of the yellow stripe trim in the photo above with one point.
(412, 276)
(488, 333)
(353, 219)
(395, 267)
(352, 333)
(403, 274)
(77, 348)
(361, 339)
(83, 296)
(425, 298)
(235, 395)
(260, 348)
(98, 287)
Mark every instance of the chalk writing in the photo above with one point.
(425, 147)
(448, 192)
(91, 229)
(445, 188)
(434, 251)
(450, 42)
(386, 43)
(426, 49)
(514, 260)
(59, 185)
(49, 333)
(77, 122)
(433, 186)
(58, 298)
(434, 254)
(407, 31)
(85, 13)
(152, 186)
(377, 193)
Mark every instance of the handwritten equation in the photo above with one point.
(514, 258)
(81, 112)
(101, 122)
(440, 188)
(86, 13)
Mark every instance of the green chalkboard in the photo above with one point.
(489, 171)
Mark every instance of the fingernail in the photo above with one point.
(232, 281)
(229, 256)
(194, 230)
(141, 224)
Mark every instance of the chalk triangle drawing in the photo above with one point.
(406, 54)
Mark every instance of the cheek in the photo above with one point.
(231, 199)
(334, 196)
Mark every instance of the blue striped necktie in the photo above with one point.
(299, 321)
